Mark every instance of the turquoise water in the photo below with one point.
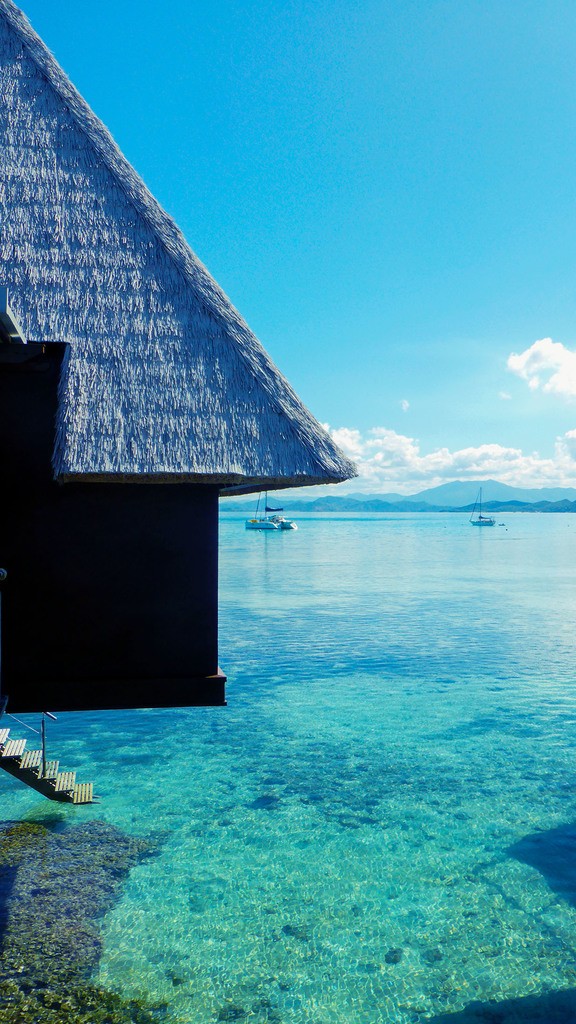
(381, 825)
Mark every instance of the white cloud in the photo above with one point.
(350, 441)
(388, 461)
(504, 396)
(404, 405)
(548, 358)
(568, 443)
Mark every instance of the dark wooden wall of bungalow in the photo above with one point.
(111, 595)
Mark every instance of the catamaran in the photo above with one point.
(274, 521)
(477, 519)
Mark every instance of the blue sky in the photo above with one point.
(385, 190)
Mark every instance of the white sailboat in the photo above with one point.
(275, 521)
(477, 519)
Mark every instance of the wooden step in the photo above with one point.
(31, 759)
(4, 734)
(65, 781)
(13, 748)
(51, 770)
(83, 793)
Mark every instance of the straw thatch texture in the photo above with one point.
(164, 378)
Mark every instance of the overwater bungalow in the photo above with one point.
(132, 394)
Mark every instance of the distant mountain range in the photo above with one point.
(452, 497)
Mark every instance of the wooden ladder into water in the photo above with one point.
(32, 768)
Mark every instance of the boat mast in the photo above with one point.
(478, 501)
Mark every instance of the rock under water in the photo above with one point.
(55, 886)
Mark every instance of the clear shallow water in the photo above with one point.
(381, 826)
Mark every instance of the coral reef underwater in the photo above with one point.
(56, 882)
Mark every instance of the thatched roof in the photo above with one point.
(164, 380)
